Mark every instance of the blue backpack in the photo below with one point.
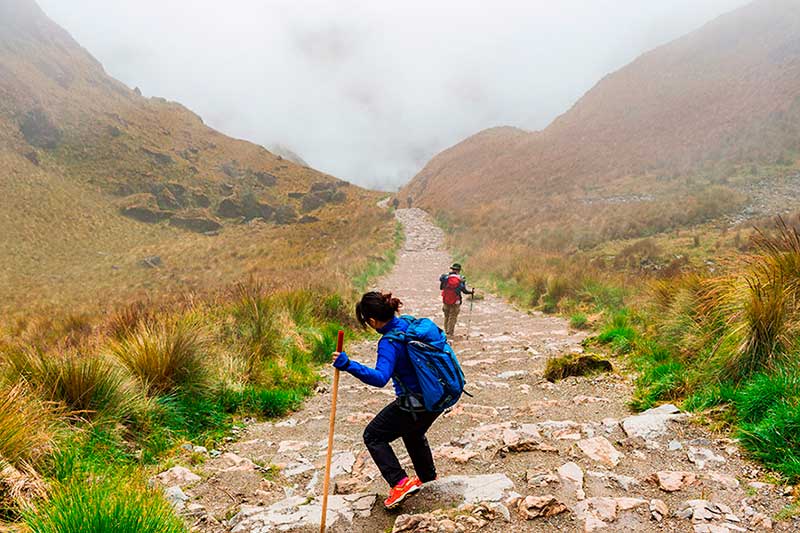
(438, 371)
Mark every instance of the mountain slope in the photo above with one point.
(705, 107)
(96, 177)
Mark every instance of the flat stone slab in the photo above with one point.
(472, 489)
(298, 512)
(652, 423)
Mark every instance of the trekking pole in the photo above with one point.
(469, 317)
(327, 482)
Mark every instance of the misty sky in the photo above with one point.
(369, 90)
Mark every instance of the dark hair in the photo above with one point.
(381, 307)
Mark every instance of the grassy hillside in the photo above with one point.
(679, 137)
(97, 178)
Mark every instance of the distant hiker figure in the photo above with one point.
(423, 390)
(395, 202)
(453, 285)
(409, 201)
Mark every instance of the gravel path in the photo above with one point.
(518, 437)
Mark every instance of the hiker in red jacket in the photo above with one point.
(453, 285)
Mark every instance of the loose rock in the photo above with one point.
(540, 506)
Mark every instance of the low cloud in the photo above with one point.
(369, 91)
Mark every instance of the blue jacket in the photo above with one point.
(393, 362)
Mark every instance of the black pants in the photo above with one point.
(391, 424)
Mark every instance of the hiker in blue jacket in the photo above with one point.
(405, 417)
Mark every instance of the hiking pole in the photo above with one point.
(335, 393)
(469, 317)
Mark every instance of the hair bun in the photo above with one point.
(394, 303)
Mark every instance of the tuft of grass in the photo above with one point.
(166, 356)
(25, 427)
(126, 320)
(711, 396)
(270, 403)
(618, 333)
(765, 328)
(104, 506)
(575, 365)
(579, 320)
(255, 328)
(773, 439)
(87, 386)
(25, 439)
(662, 376)
(763, 392)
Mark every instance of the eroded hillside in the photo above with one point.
(96, 178)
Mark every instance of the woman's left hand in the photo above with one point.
(340, 360)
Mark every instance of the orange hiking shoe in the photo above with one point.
(399, 492)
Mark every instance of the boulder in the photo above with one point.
(342, 463)
(145, 214)
(658, 510)
(229, 208)
(266, 179)
(200, 200)
(324, 186)
(167, 200)
(312, 202)
(285, 214)
(197, 224)
(158, 157)
(231, 169)
(232, 462)
(39, 130)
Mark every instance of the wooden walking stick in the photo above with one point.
(335, 393)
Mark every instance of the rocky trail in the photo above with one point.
(522, 455)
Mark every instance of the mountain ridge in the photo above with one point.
(704, 106)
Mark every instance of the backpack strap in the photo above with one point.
(405, 400)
